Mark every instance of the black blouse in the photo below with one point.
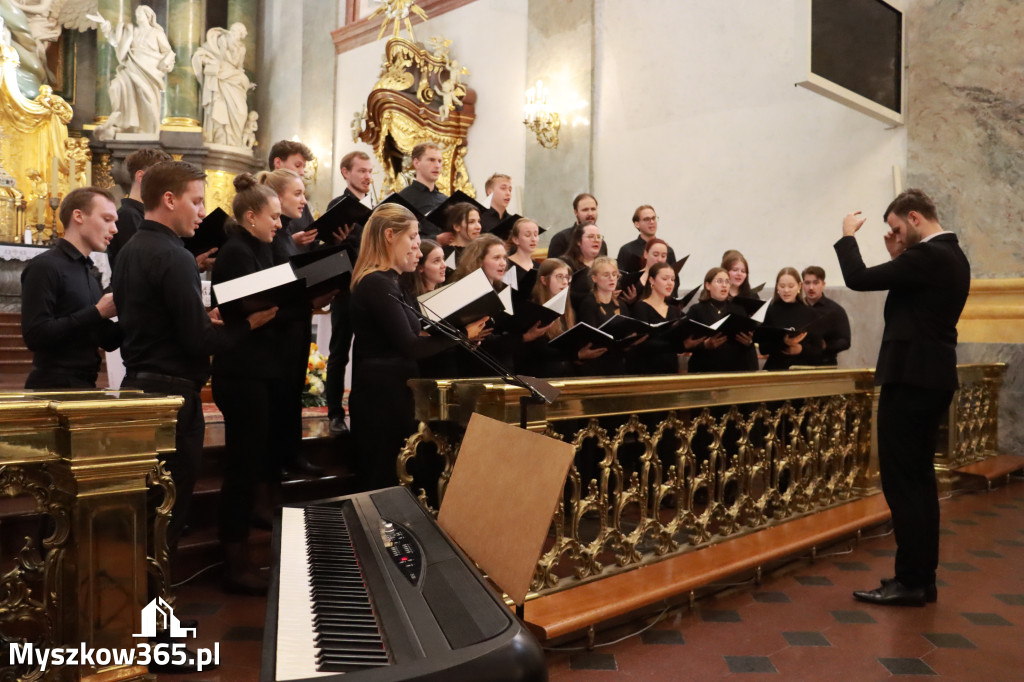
(656, 355)
(731, 356)
(792, 315)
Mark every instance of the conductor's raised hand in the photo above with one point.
(852, 222)
(260, 318)
(475, 330)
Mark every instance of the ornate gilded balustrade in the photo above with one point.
(666, 464)
(972, 431)
(80, 466)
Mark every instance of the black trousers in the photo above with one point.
(43, 378)
(257, 433)
(183, 464)
(337, 358)
(908, 427)
(383, 417)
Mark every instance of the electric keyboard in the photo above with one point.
(369, 587)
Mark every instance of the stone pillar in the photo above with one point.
(106, 60)
(245, 12)
(186, 25)
(560, 41)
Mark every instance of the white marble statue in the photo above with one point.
(46, 18)
(218, 67)
(249, 134)
(144, 58)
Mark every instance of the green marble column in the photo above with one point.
(245, 12)
(186, 24)
(106, 59)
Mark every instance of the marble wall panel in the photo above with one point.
(560, 43)
(965, 126)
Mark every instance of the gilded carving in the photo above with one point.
(159, 564)
(220, 190)
(102, 172)
(419, 97)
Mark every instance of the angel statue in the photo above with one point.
(144, 58)
(218, 67)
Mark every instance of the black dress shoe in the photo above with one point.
(338, 426)
(304, 466)
(893, 593)
(931, 593)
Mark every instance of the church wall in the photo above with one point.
(696, 114)
(489, 38)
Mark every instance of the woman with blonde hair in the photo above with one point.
(251, 387)
(521, 243)
(294, 350)
(388, 343)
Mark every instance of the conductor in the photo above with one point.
(928, 279)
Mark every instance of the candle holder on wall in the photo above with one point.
(539, 118)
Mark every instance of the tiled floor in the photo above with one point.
(800, 624)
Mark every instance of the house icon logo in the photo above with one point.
(158, 615)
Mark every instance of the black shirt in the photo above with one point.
(658, 354)
(631, 255)
(424, 200)
(59, 319)
(489, 219)
(595, 313)
(792, 315)
(731, 356)
(837, 335)
(562, 242)
(258, 354)
(160, 307)
(385, 331)
(129, 217)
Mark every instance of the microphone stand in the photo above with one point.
(540, 391)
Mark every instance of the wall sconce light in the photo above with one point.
(538, 117)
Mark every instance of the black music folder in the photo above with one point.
(462, 302)
(323, 270)
(528, 313)
(237, 298)
(439, 215)
(630, 279)
(211, 233)
(685, 299)
(427, 227)
(572, 341)
(503, 230)
(623, 327)
(750, 305)
(348, 211)
(771, 339)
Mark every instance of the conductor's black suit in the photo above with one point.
(928, 285)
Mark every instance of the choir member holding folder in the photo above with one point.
(789, 311)
(295, 342)
(464, 223)
(714, 351)
(430, 273)
(388, 343)
(659, 353)
(584, 249)
(739, 283)
(598, 307)
(251, 388)
(540, 357)
(521, 242)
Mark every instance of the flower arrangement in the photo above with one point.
(316, 377)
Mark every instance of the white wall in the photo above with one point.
(696, 113)
(489, 38)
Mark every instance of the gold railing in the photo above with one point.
(971, 432)
(666, 464)
(82, 465)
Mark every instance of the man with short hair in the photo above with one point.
(499, 187)
(584, 206)
(131, 213)
(631, 255)
(928, 280)
(65, 316)
(836, 335)
(357, 170)
(293, 155)
(423, 193)
(168, 334)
